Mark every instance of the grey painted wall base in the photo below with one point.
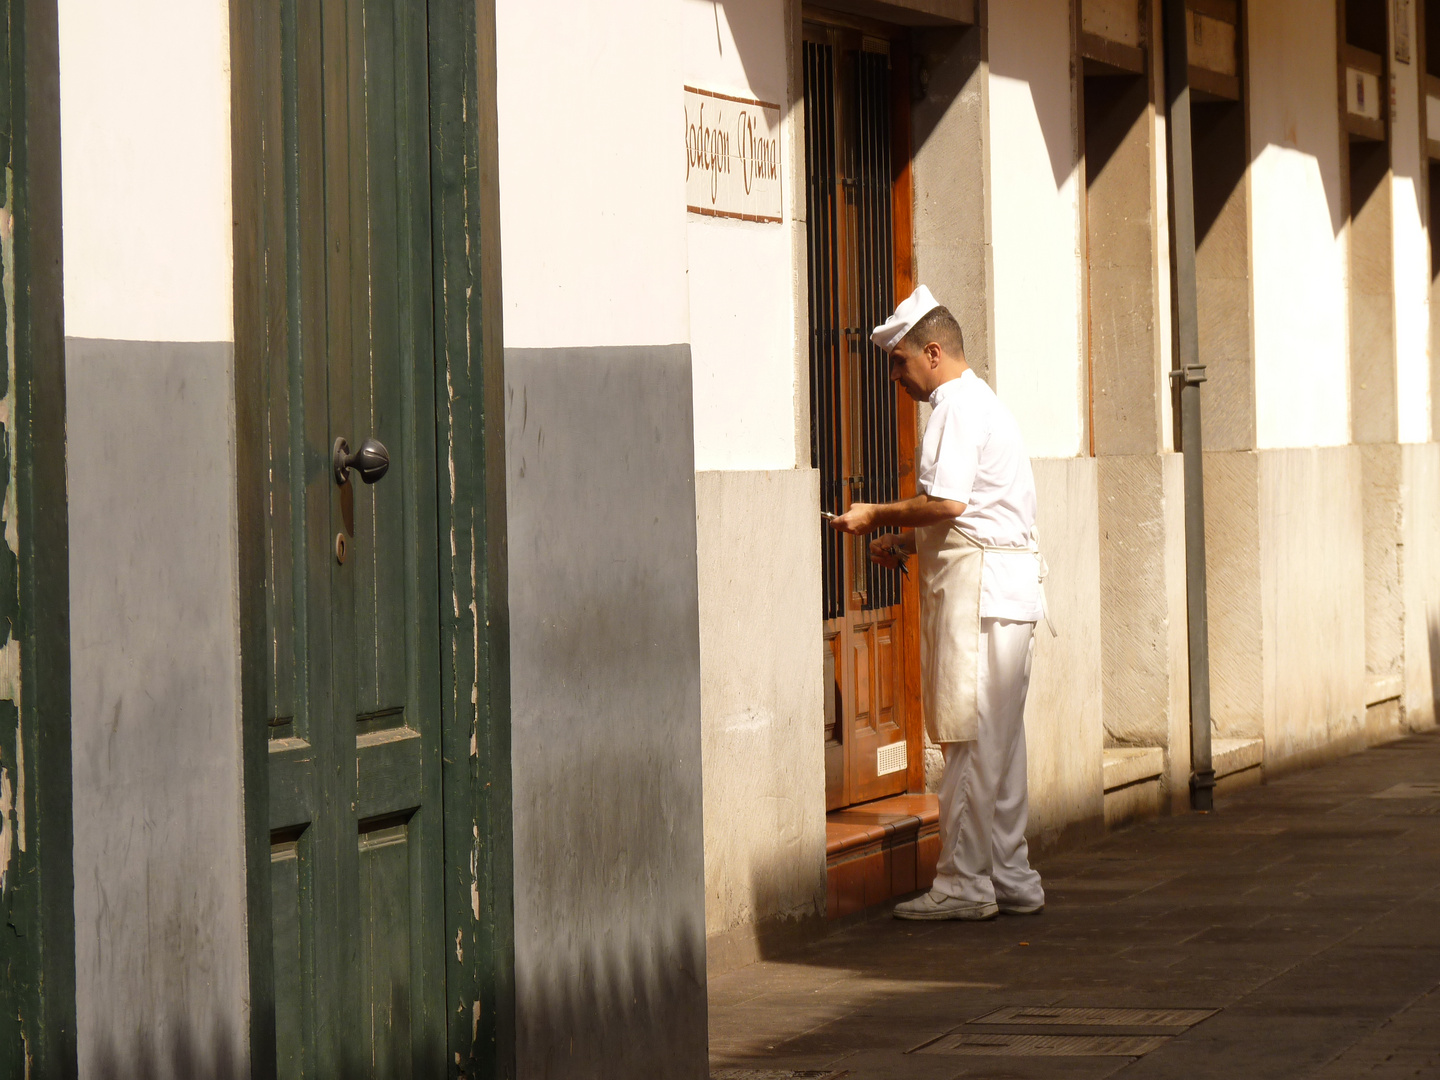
(160, 962)
(605, 668)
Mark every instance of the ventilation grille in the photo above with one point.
(890, 759)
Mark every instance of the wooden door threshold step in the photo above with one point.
(878, 851)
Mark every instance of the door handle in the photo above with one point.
(371, 461)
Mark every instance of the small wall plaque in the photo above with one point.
(1362, 93)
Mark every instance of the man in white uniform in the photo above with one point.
(973, 527)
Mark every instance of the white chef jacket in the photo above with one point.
(972, 453)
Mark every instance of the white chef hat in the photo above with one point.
(909, 312)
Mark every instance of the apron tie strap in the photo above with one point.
(1042, 569)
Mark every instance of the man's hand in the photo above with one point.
(891, 550)
(857, 521)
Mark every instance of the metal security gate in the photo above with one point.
(858, 422)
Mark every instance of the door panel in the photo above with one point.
(858, 439)
(290, 934)
(388, 928)
(354, 694)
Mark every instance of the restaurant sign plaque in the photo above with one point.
(732, 156)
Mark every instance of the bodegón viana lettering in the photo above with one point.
(708, 147)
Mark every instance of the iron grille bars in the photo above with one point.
(877, 453)
(824, 288)
(850, 250)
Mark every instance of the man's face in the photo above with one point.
(910, 367)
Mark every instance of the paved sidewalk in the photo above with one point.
(1306, 913)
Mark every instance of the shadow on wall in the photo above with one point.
(177, 1052)
(610, 949)
(1030, 49)
(612, 1013)
(745, 30)
(943, 60)
(784, 909)
(182, 1054)
(605, 692)
(787, 891)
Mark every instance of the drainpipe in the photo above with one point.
(1187, 375)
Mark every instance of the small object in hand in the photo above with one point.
(900, 556)
(828, 516)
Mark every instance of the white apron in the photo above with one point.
(951, 566)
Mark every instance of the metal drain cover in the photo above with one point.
(1151, 1021)
(1066, 1031)
(977, 1043)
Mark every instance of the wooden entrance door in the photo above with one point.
(862, 432)
(353, 663)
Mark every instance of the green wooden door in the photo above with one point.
(351, 574)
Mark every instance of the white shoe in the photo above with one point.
(1021, 909)
(934, 907)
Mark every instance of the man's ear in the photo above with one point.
(932, 353)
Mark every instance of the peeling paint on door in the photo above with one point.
(7, 828)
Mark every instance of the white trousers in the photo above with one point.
(984, 804)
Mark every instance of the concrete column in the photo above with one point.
(1382, 506)
(950, 148)
(1285, 654)
(1225, 284)
(1036, 219)
(1384, 311)
(1142, 607)
(1400, 548)
(950, 141)
(1140, 490)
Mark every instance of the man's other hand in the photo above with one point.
(889, 550)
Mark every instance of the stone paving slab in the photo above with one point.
(1306, 912)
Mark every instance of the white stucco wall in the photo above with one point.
(1412, 254)
(592, 203)
(161, 946)
(598, 247)
(1312, 594)
(1035, 224)
(1298, 246)
(762, 701)
(742, 279)
(145, 161)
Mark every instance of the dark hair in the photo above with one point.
(939, 326)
